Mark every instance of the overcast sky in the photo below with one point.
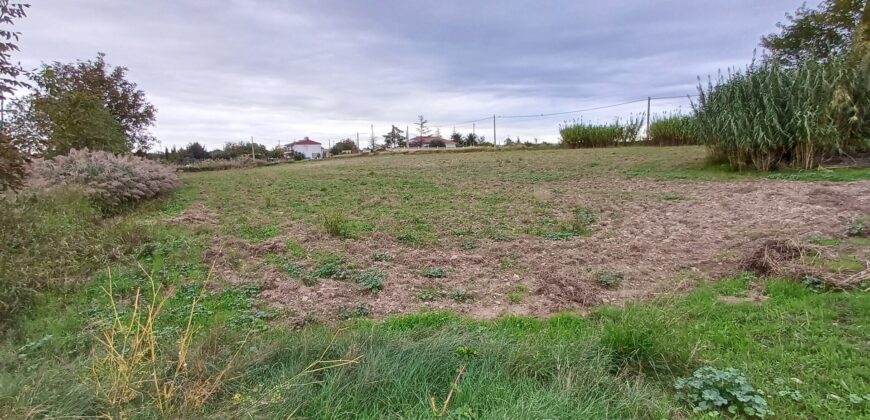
(281, 70)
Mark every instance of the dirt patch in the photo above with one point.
(659, 246)
(199, 214)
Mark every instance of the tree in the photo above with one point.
(13, 159)
(78, 121)
(422, 129)
(346, 144)
(471, 140)
(195, 151)
(394, 137)
(819, 34)
(108, 86)
(457, 138)
(234, 150)
(508, 142)
(437, 143)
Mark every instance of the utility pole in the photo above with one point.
(253, 155)
(407, 137)
(648, 100)
(357, 140)
(472, 130)
(373, 137)
(494, 138)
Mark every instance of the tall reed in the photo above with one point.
(672, 129)
(578, 133)
(768, 116)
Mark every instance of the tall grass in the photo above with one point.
(579, 133)
(672, 129)
(768, 116)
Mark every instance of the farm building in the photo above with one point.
(427, 140)
(310, 148)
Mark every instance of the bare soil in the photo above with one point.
(664, 236)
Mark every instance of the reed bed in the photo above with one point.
(672, 129)
(579, 133)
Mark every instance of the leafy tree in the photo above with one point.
(508, 142)
(233, 150)
(457, 138)
(819, 34)
(437, 143)
(346, 144)
(106, 85)
(276, 152)
(196, 151)
(13, 159)
(79, 121)
(471, 139)
(395, 137)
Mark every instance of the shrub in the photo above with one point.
(329, 266)
(856, 228)
(461, 296)
(109, 180)
(769, 116)
(710, 390)
(437, 143)
(372, 281)
(672, 130)
(578, 133)
(361, 310)
(13, 164)
(381, 256)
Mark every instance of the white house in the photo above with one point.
(310, 148)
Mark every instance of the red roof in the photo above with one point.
(304, 142)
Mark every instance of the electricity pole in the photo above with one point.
(373, 138)
(407, 138)
(253, 155)
(357, 141)
(648, 100)
(494, 138)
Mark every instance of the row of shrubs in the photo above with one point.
(579, 133)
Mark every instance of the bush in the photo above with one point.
(335, 223)
(583, 134)
(710, 390)
(437, 143)
(372, 281)
(108, 180)
(609, 279)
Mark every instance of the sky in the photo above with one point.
(278, 71)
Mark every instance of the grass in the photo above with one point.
(614, 362)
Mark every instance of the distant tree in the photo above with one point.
(346, 144)
(13, 157)
(422, 128)
(437, 143)
(457, 138)
(297, 156)
(819, 34)
(195, 151)
(66, 84)
(233, 150)
(471, 140)
(217, 154)
(394, 137)
(508, 141)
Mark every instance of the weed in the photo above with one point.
(381, 256)
(672, 197)
(427, 295)
(328, 266)
(515, 297)
(361, 310)
(711, 390)
(435, 273)
(335, 223)
(468, 245)
(609, 279)
(461, 296)
(856, 227)
(372, 281)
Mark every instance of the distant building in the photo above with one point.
(309, 148)
(427, 140)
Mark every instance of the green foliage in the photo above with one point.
(435, 273)
(372, 280)
(609, 279)
(769, 116)
(13, 163)
(672, 130)
(78, 121)
(817, 34)
(711, 390)
(329, 266)
(437, 143)
(578, 133)
(461, 296)
(381, 256)
(344, 145)
(335, 223)
(361, 310)
(856, 227)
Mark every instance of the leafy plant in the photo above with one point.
(672, 130)
(856, 227)
(372, 280)
(609, 279)
(711, 390)
(335, 223)
(361, 310)
(381, 256)
(427, 295)
(435, 273)
(578, 133)
(461, 296)
(329, 266)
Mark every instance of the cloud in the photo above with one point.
(278, 71)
